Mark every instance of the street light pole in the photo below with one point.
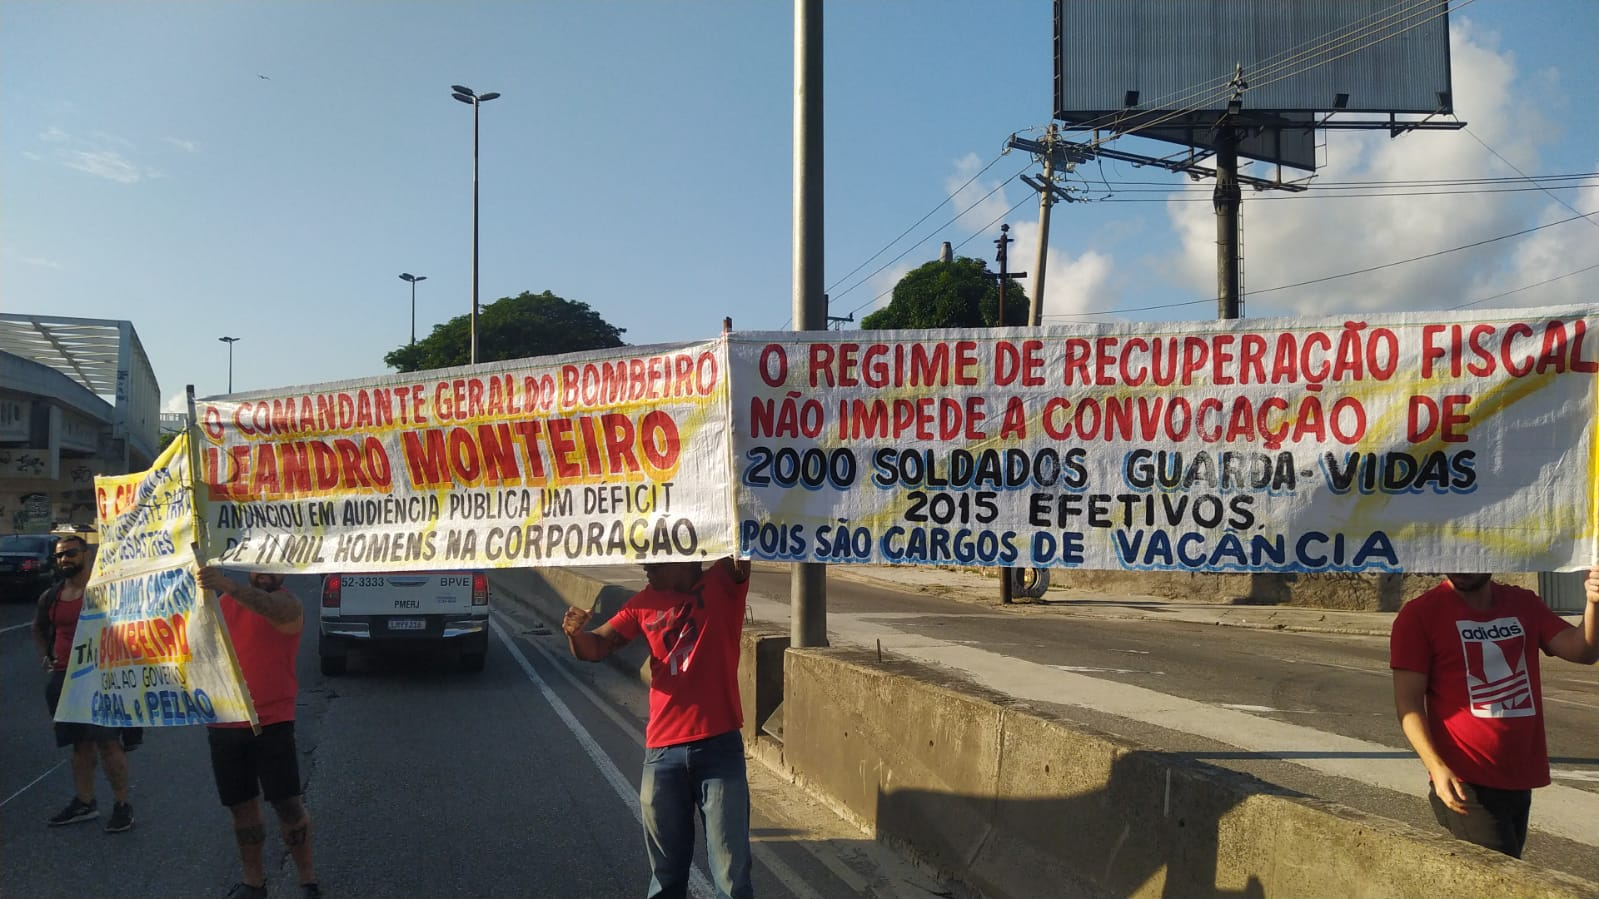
(407, 276)
(230, 341)
(466, 95)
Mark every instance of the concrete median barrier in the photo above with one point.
(990, 792)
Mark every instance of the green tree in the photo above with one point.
(528, 324)
(961, 293)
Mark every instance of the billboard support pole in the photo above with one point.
(1228, 197)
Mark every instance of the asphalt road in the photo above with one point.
(421, 780)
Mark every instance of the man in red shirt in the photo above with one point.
(692, 619)
(264, 622)
(55, 622)
(1469, 699)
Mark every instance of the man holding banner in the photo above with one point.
(1466, 689)
(55, 623)
(264, 622)
(694, 754)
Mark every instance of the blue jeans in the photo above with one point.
(707, 775)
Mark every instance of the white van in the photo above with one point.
(450, 607)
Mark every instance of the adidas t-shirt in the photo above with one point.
(1484, 697)
(694, 644)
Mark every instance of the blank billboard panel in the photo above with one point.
(1120, 60)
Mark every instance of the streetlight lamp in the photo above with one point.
(466, 95)
(230, 341)
(407, 276)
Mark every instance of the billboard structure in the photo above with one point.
(1250, 78)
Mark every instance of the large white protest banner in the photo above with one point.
(150, 649)
(1421, 442)
(595, 458)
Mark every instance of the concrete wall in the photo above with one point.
(1015, 804)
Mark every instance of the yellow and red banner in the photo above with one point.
(596, 458)
(150, 649)
(1407, 442)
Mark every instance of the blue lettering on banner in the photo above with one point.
(1311, 551)
(107, 710)
(178, 707)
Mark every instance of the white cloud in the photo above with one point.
(1076, 285)
(1295, 240)
(987, 203)
(107, 138)
(107, 164)
(39, 261)
(187, 146)
(97, 155)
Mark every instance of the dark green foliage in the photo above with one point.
(529, 324)
(962, 293)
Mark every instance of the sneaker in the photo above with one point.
(76, 810)
(310, 891)
(121, 818)
(242, 890)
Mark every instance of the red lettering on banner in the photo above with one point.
(584, 449)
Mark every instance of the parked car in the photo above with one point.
(27, 566)
(450, 608)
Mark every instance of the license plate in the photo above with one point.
(408, 624)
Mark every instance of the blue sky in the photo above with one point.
(266, 170)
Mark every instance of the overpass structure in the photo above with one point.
(78, 398)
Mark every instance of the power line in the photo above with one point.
(963, 243)
(917, 224)
(1469, 246)
(1523, 174)
(1528, 286)
(1203, 196)
(880, 269)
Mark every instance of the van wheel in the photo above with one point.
(473, 661)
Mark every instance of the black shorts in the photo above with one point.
(246, 765)
(70, 732)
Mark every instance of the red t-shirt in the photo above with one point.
(1484, 696)
(266, 656)
(64, 618)
(694, 645)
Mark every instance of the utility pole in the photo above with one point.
(1004, 275)
(1046, 201)
(808, 580)
(1052, 150)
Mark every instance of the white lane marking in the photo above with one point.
(1080, 669)
(698, 883)
(32, 782)
(15, 626)
(780, 869)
